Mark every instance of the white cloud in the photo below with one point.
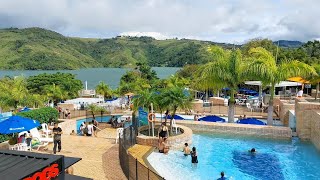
(155, 35)
(223, 21)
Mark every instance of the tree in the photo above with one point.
(315, 79)
(267, 69)
(94, 109)
(103, 89)
(55, 93)
(175, 98)
(228, 69)
(66, 81)
(13, 93)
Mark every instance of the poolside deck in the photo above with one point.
(99, 155)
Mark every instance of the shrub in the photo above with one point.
(4, 137)
(43, 115)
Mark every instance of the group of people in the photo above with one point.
(89, 128)
(163, 134)
(66, 114)
(242, 117)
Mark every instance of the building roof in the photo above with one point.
(281, 84)
(20, 164)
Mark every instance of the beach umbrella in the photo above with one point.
(16, 124)
(25, 109)
(251, 121)
(212, 118)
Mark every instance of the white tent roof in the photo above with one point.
(281, 84)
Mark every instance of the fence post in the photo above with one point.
(136, 169)
(148, 173)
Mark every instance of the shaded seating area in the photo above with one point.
(25, 134)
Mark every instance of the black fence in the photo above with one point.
(131, 167)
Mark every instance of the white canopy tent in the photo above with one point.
(281, 84)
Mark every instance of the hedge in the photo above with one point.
(4, 137)
(43, 115)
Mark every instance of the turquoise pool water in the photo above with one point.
(274, 160)
(99, 119)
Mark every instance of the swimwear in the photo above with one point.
(163, 133)
(194, 158)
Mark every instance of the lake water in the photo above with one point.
(110, 76)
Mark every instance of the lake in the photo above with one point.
(93, 76)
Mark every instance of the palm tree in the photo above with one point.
(269, 71)
(175, 98)
(227, 69)
(13, 92)
(55, 93)
(93, 109)
(144, 99)
(315, 79)
(103, 89)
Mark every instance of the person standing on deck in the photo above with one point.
(57, 131)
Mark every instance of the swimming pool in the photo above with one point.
(99, 119)
(274, 160)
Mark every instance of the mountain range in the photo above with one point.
(41, 49)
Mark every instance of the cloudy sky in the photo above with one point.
(233, 21)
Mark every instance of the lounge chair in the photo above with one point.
(36, 135)
(45, 129)
(43, 145)
(249, 107)
(119, 134)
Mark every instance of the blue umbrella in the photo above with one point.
(251, 121)
(212, 118)
(15, 124)
(25, 109)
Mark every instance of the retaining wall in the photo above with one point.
(175, 142)
(275, 132)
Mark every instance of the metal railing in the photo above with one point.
(131, 167)
(238, 109)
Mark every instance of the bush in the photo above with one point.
(4, 137)
(43, 115)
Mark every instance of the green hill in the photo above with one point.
(41, 49)
(36, 48)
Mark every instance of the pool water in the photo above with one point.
(104, 119)
(274, 160)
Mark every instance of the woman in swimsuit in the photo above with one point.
(194, 155)
(163, 132)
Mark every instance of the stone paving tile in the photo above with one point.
(91, 150)
(111, 165)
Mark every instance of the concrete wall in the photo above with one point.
(175, 142)
(315, 129)
(284, 107)
(307, 118)
(275, 132)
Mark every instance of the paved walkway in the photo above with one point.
(97, 153)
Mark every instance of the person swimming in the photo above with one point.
(253, 150)
(186, 149)
(222, 176)
(194, 155)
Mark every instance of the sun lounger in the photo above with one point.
(36, 135)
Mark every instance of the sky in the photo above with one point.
(230, 21)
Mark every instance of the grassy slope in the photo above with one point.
(36, 48)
